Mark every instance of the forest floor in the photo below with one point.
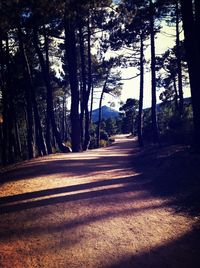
(119, 206)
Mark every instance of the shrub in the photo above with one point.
(104, 135)
(103, 143)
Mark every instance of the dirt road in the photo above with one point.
(91, 210)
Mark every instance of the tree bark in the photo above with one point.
(18, 141)
(38, 128)
(155, 136)
(193, 59)
(27, 95)
(4, 105)
(71, 55)
(83, 85)
(87, 114)
(176, 94)
(197, 21)
(100, 114)
(91, 103)
(28, 75)
(63, 117)
(99, 119)
(179, 66)
(50, 109)
(140, 138)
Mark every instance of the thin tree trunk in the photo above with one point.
(38, 128)
(100, 114)
(197, 20)
(178, 55)
(140, 138)
(87, 125)
(99, 119)
(11, 110)
(28, 96)
(193, 59)
(91, 103)
(18, 141)
(71, 55)
(48, 118)
(63, 118)
(87, 114)
(176, 94)
(155, 136)
(82, 117)
(50, 110)
(4, 105)
(83, 85)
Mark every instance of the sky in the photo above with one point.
(130, 88)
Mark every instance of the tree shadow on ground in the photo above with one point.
(26, 229)
(128, 185)
(179, 253)
(174, 173)
(102, 161)
(170, 173)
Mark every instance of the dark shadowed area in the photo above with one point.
(120, 206)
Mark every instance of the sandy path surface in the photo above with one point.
(90, 210)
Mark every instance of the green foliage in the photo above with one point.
(103, 143)
(129, 118)
(104, 135)
(177, 128)
(173, 127)
(109, 127)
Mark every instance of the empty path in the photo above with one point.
(91, 210)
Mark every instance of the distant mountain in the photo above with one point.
(107, 112)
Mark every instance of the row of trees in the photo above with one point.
(76, 35)
(145, 24)
(32, 36)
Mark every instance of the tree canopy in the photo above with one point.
(55, 54)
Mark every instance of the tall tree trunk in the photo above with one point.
(38, 127)
(193, 59)
(63, 117)
(140, 138)
(11, 110)
(71, 55)
(18, 141)
(83, 84)
(4, 105)
(87, 125)
(87, 114)
(178, 55)
(91, 102)
(27, 73)
(50, 109)
(155, 136)
(99, 119)
(48, 134)
(27, 95)
(49, 95)
(197, 20)
(100, 113)
(82, 115)
(176, 94)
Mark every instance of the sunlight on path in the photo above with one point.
(87, 210)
